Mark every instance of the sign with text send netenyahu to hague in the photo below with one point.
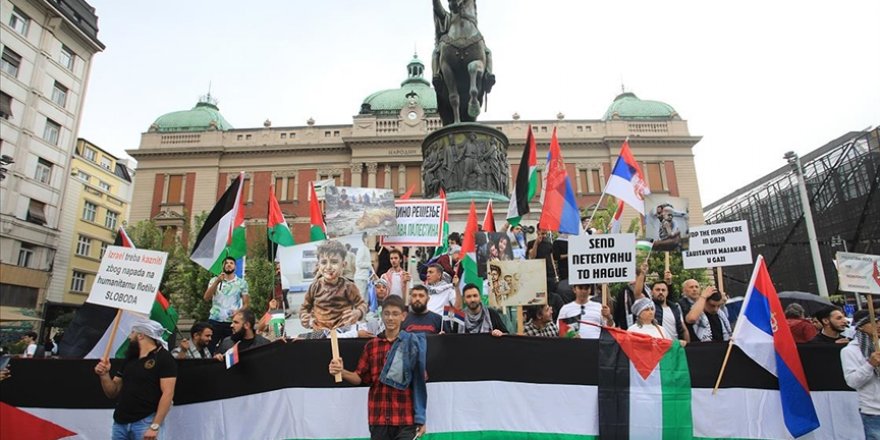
(721, 244)
(128, 279)
(859, 273)
(605, 258)
(419, 223)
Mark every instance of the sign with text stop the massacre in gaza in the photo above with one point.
(605, 258)
(717, 245)
(128, 279)
(419, 223)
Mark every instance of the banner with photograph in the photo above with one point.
(419, 223)
(351, 210)
(605, 258)
(717, 245)
(859, 273)
(300, 262)
(493, 246)
(666, 222)
(321, 187)
(128, 279)
(517, 283)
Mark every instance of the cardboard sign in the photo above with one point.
(128, 279)
(419, 223)
(517, 283)
(666, 222)
(299, 262)
(859, 273)
(601, 258)
(721, 244)
(359, 210)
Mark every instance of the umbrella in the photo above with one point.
(811, 302)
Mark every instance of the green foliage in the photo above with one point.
(187, 280)
(635, 226)
(260, 275)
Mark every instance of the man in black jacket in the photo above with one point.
(477, 318)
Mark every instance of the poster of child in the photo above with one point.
(517, 283)
(666, 222)
(332, 301)
(493, 246)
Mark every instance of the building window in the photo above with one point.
(12, 295)
(655, 177)
(10, 62)
(279, 188)
(283, 135)
(59, 94)
(36, 212)
(89, 154)
(83, 175)
(78, 281)
(104, 245)
(5, 106)
(44, 171)
(52, 131)
(89, 211)
(25, 255)
(110, 219)
(83, 246)
(67, 57)
(246, 190)
(175, 189)
(19, 22)
(247, 137)
(104, 185)
(107, 163)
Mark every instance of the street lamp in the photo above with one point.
(795, 162)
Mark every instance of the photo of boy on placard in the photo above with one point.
(666, 222)
(332, 301)
(517, 283)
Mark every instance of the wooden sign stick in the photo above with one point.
(112, 334)
(520, 321)
(334, 346)
(720, 275)
(666, 262)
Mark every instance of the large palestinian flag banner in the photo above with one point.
(479, 388)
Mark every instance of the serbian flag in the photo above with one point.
(614, 228)
(223, 234)
(627, 182)
(469, 252)
(762, 333)
(453, 315)
(318, 230)
(560, 212)
(526, 184)
(644, 387)
(231, 356)
(489, 219)
(276, 225)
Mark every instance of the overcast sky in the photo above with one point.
(754, 79)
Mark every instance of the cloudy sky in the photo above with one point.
(754, 79)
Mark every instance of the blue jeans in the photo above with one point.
(134, 430)
(872, 426)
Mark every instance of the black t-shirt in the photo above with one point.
(686, 305)
(821, 338)
(140, 392)
(429, 322)
(545, 251)
(560, 248)
(715, 325)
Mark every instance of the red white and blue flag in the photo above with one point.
(453, 315)
(627, 182)
(231, 356)
(763, 334)
(560, 212)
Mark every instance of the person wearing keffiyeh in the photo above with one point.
(861, 370)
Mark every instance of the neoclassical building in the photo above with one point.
(186, 159)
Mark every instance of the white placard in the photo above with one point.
(601, 258)
(859, 273)
(419, 223)
(128, 279)
(717, 245)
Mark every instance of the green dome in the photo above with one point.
(204, 116)
(415, 88)
(628, 106)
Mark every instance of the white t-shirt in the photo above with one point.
(589, 312)
(669, 321)
(397, 287)
(31, 350)
(440, 295)
(650, 330)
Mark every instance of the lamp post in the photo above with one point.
(795, 162)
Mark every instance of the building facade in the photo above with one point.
(187, 159)
(843, 183)
(96, 204)
(47, 49)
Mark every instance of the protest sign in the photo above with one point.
(859, 273)
(128, 279)
(359, 210)
(721, 244)
(517, 283)
(299, 262)
(419, 223)
(492, 246)
(666, 222)
(606, 258)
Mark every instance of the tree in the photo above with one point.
(260, 275)
(187, 280)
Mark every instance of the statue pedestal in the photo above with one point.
(469, 161)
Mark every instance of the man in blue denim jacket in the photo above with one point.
(393, 365)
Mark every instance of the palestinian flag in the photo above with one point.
(489, 219)
(276, 225)
(89, 333)
(503, 390)
(469, 253)
(444, 247)
(223, 234)
(644, 387)
(318, 230)
(526, 184)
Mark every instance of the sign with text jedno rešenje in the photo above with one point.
(419, 223)
(717, 245)
(601, 258)
(128, 279)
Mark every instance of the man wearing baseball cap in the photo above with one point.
(144, 385)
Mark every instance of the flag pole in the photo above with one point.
(723, 365)
(118, 318)
(598, 204)
(720, 276)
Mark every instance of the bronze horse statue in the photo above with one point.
(462, 64)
